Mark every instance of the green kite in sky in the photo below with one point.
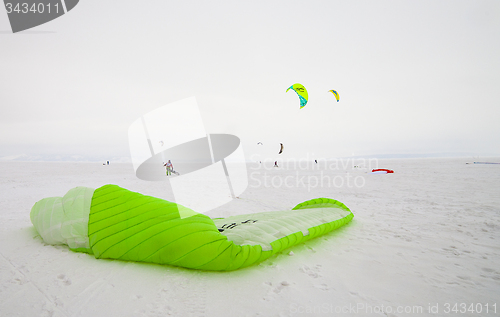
(301, 92)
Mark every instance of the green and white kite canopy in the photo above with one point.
(115, 223)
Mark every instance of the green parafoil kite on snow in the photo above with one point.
(301, 92)
(114, 223)
(336, 94)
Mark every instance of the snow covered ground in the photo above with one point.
(424, 242)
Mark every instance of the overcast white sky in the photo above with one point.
(413, 76)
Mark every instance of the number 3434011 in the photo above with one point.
(33, 8)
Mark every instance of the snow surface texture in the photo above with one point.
(424, 237)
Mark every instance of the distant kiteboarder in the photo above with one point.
(276, 164)
(169, 167)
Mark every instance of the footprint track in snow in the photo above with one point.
(64, 279)
(313, 272)
(275, 290)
